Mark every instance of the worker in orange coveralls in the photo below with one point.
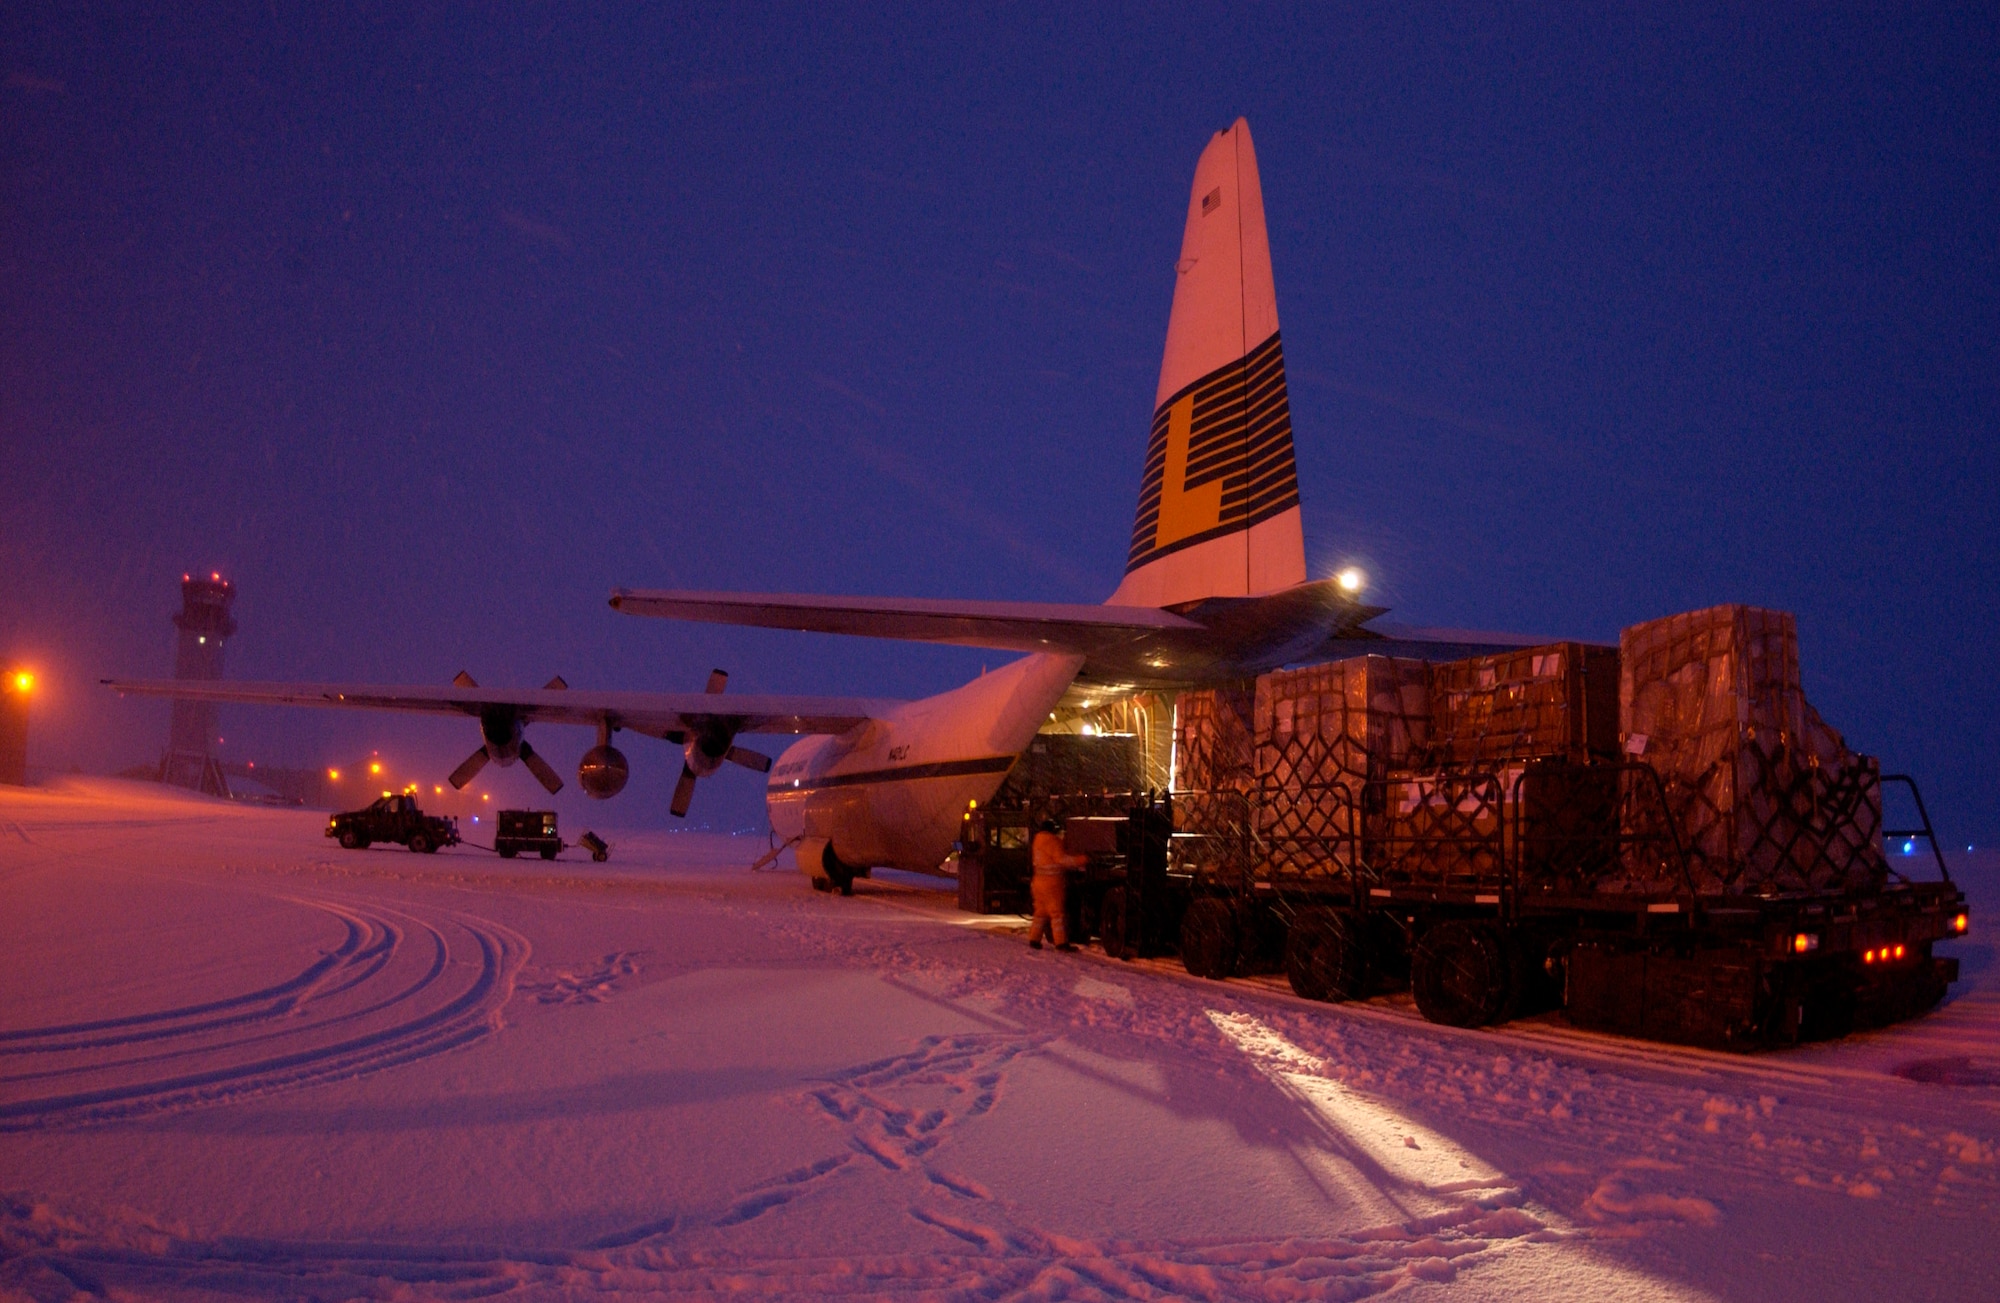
(1052, 864)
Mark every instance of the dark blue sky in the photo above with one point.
(431, 326)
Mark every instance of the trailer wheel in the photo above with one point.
(1208, 938)
(419, 843)
(351, 840)
(1460, 974)
(1113, 925)
(1325, 954)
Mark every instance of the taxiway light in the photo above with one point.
(1805, 941)
(1351, 580)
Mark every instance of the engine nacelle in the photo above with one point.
(704, 754)
(500, 729)
(603, 772)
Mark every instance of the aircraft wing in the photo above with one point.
(656, 714)
(1005, 626)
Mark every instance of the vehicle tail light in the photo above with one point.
(1803, 942)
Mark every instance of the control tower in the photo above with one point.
(204, 622)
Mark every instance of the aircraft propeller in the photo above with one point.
(500, 732)
(708, 745)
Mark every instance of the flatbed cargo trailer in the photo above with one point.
(1514, 906)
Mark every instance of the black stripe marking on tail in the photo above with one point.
(1240, 435)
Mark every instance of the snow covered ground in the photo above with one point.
(235, 1060)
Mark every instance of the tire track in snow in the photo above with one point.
(396, 988)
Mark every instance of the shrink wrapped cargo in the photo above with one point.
(1768, 798)
(1345, 721)
(1556, 700)
(1213, 747)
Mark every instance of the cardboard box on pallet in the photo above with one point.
(1324, 732)
(1556, 700)
(1768, 797)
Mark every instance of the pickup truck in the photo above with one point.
(393, 819)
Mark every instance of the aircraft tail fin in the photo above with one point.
(1219, 502)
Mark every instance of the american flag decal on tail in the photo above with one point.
(1220, 458)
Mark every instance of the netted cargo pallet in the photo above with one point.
(1556, 700)
(1324, 733)
(1345, 722)
(1442, 828)
(1769, 798)
(1213, 746)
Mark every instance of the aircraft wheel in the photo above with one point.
(420, 843)
(1114, 925)
(353, 841)
(1325, 954)
(1461, 974)
(1208, 938)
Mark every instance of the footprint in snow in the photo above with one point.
(592, 986)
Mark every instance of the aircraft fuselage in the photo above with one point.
(892, 792)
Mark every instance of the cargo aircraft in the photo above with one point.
(1215, 588)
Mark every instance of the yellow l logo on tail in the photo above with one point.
(1184, 512)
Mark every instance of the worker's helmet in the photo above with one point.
(1050, 825)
